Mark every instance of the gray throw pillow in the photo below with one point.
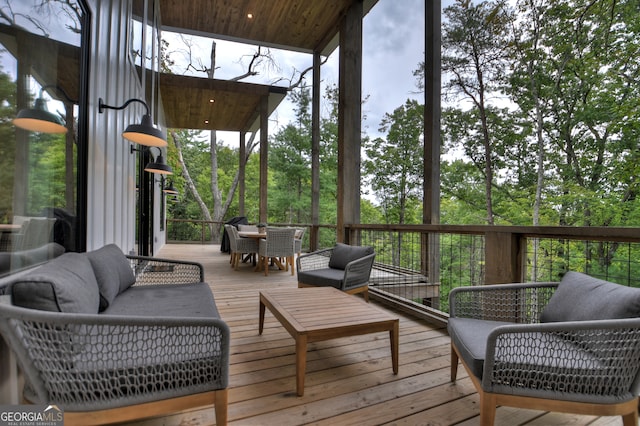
(113, 273)
(580, 297)
(343, 254)
(65, 284)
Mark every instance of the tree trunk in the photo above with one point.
(188, 180)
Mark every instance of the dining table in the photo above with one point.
(252, 234)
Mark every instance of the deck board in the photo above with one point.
(348, 380)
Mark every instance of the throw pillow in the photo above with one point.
(65, 284)
(580, 297)
(343, 254)
(113, 272)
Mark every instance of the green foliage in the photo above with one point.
(394, 165)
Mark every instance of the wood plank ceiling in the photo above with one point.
(297, 25)
(205, 104)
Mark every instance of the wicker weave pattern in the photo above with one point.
(279, 243)
(581, 362)
(115, 361)
(239, 244)
(316, 260)
(504, 302)
(154, 271)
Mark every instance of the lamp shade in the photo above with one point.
(159, 166)
(170, 189)
(39, 119)
(145, 133)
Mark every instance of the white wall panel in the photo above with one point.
(111, 206)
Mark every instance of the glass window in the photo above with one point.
(40, 69)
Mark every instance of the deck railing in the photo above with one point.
(418, 265)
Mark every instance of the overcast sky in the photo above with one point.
(393, 45)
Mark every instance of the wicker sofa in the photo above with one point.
(572, 346)
(110, 338)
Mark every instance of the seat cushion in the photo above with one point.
(167, 300)
(580, 297)
(113, 272)
(326, 277)
(343, 254)
(65, 284)
(470, 337)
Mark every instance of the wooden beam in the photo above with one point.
(242, 172)
(264, 158)
(315, 154)
(430, 260)
(504, 254)
(349, 118)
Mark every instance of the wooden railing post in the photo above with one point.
(504, 257)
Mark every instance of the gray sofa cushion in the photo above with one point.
(65, 284)
(580, 297)
(343, 254)
(166, 300)
(113, 272)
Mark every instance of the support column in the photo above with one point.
(505, 257)
(242, 170)
(431, 185)
(349, 119)
(315, 154)
(264, 157)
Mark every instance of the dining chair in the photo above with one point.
(298, 236)
(240, 246)
(279, 243)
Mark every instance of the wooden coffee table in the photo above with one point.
(322, 313)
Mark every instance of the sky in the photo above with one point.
(393, 45)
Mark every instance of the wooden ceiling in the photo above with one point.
(187, 103)
(299, 25)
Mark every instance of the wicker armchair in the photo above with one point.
(344, 267)
(523, 347)
(277, 244)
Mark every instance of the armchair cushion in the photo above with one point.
(113, 273)
(343, 254)
(470, 335)
(580, 297)
(322, 277)
(66, 285)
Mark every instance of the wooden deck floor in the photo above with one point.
(349, 381)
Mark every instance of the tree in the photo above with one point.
(394, 165)
(290, 161)
(473, 58)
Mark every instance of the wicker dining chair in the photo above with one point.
(279, 243)
(298, 237)
(240, 246)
